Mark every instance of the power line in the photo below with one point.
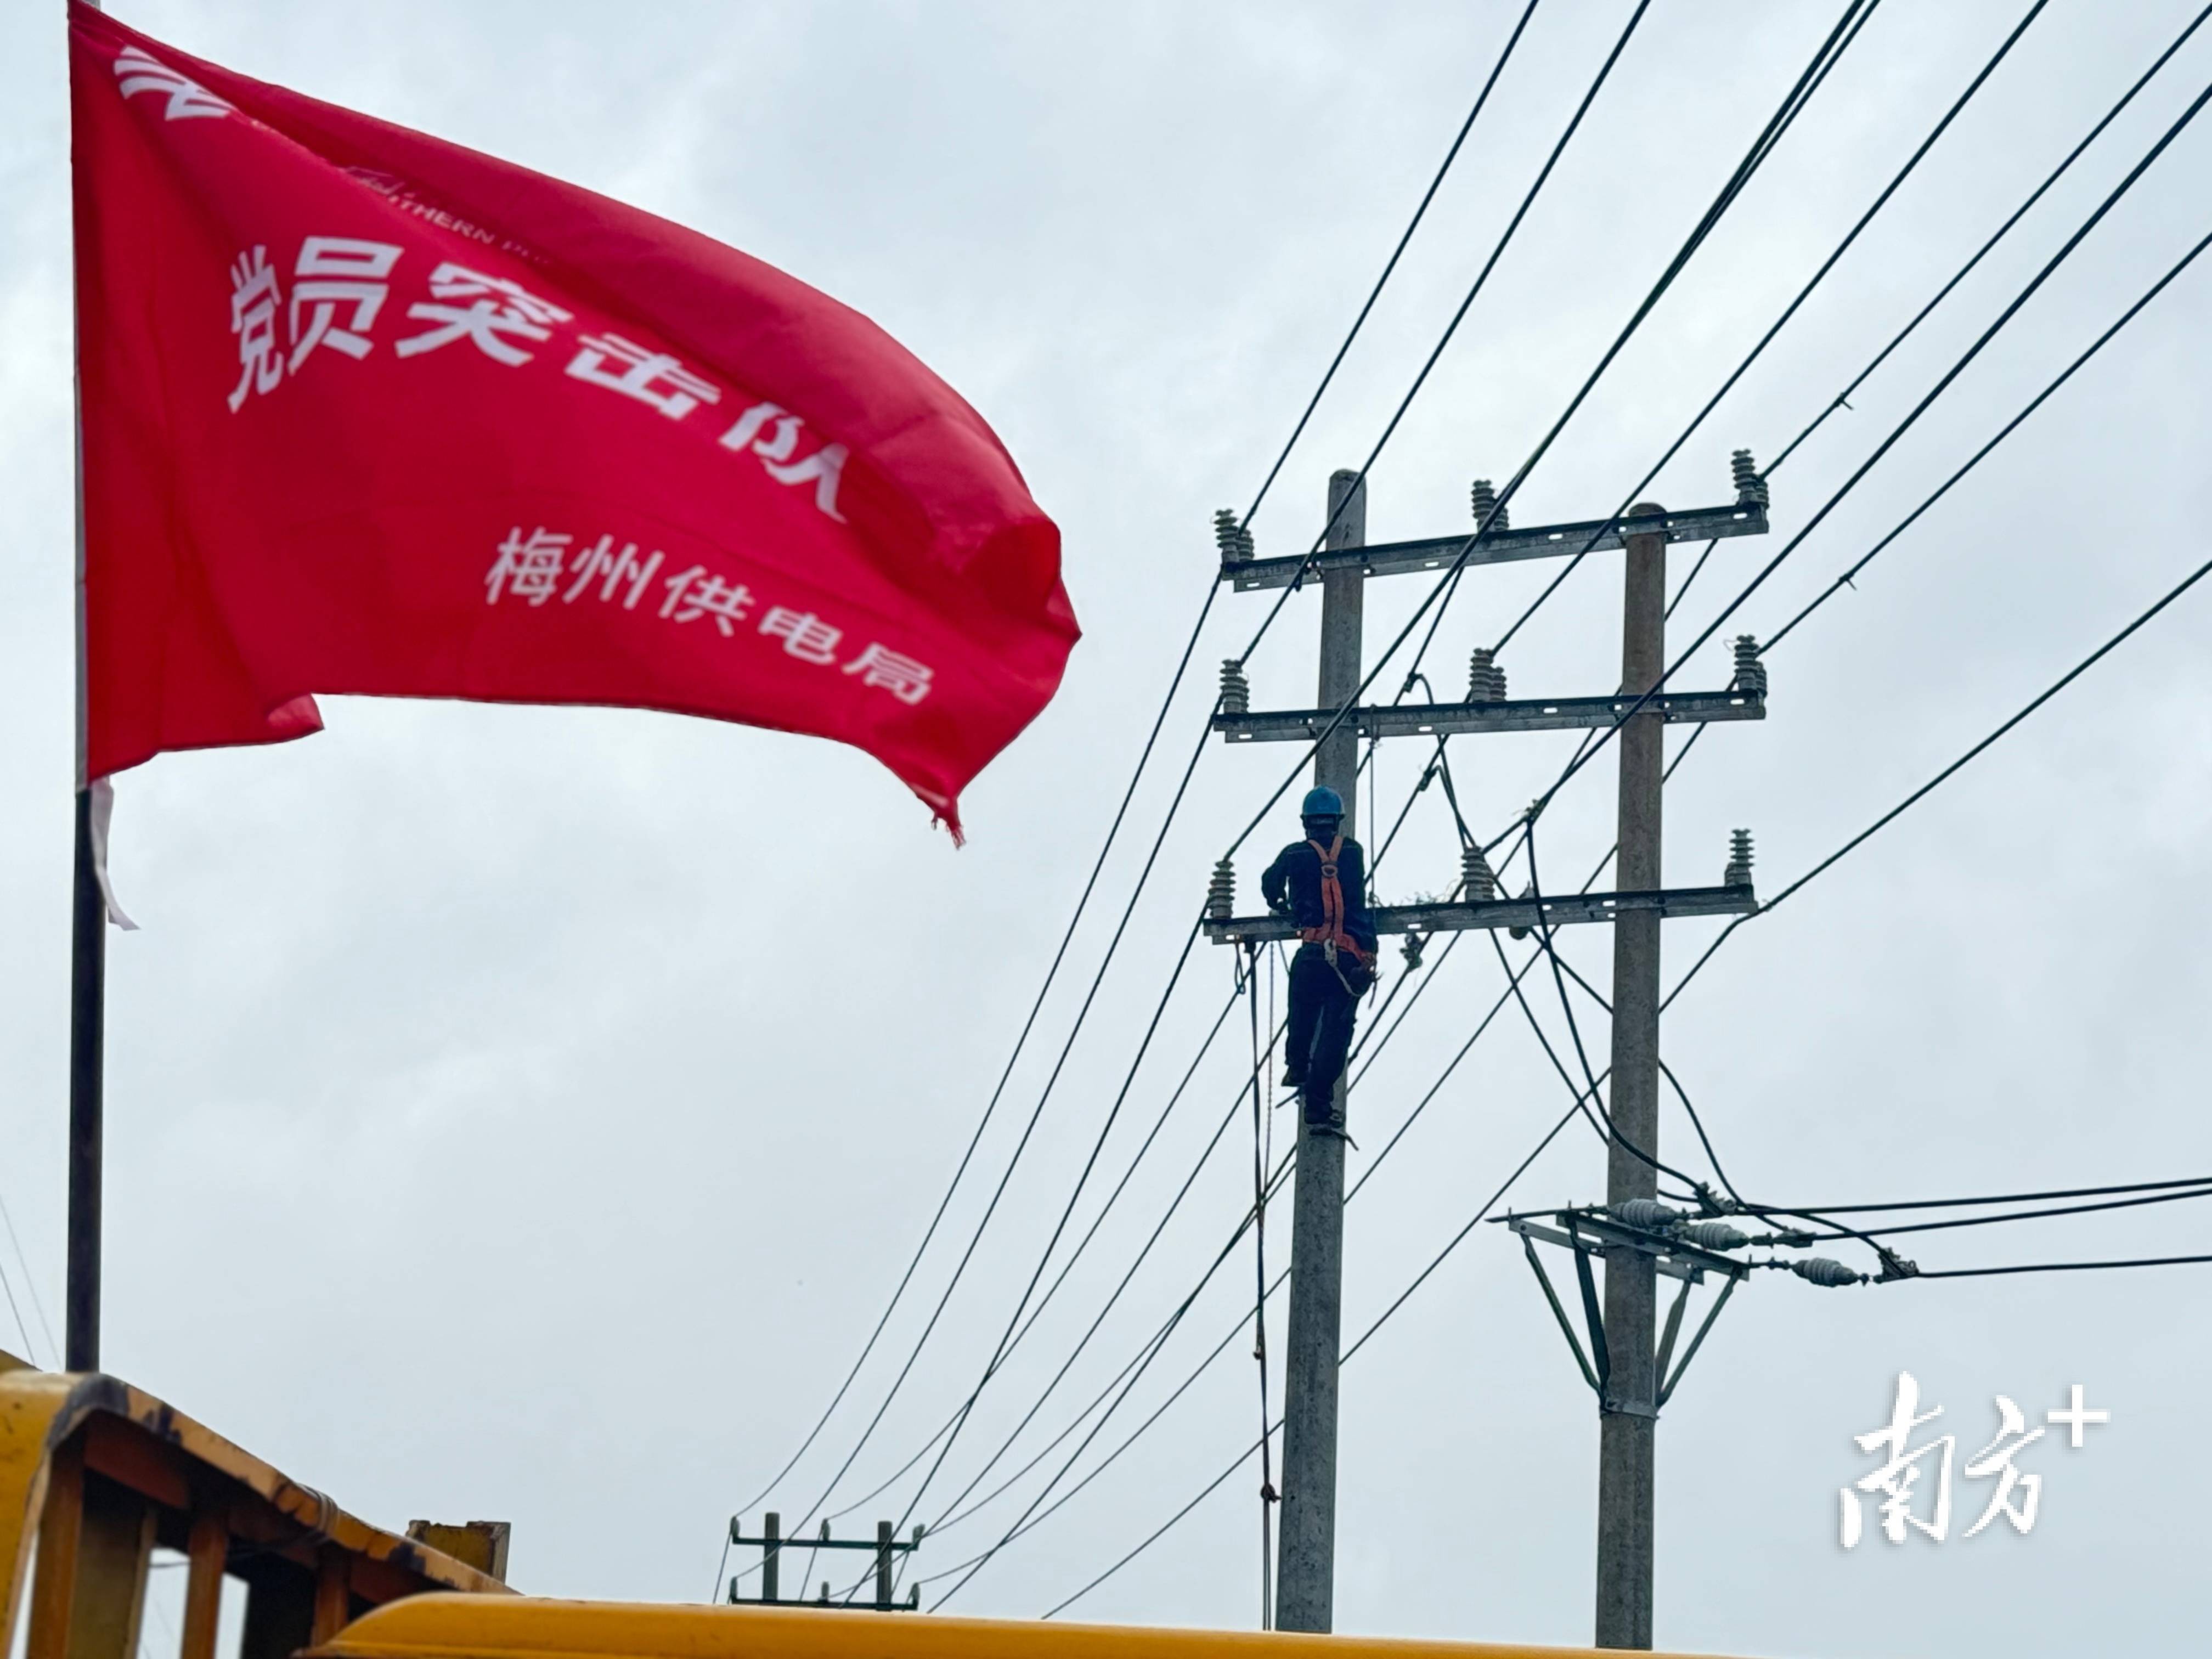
(1153, 1348)
(1606, 733)
(30, 1284)
(2014, 1198)
(1144, 757)
(1391, 264)
(1976, 459)
(2016, 718)
(1345, 1358)
(1948, 772)
(1831, 50)
(1036, 1113)
(2053, 1267)
(1842, 399)
(1674, 267)
(1787, 311)
(2038, 1215)
(1036, 1313)
(1776, 125)
(1482, 277)
(1044, 1260)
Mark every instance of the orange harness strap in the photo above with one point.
(1331, 932)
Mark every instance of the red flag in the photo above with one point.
(367, 412)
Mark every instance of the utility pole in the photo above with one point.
(773, 1546)
(1628, 1412)
(1305, 1577)
(1624, 1378)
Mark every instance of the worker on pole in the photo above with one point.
(1320, 883)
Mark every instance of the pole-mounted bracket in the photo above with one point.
(1551, 911)
(1420, 720)
(1588, 1233)
(1741, 517)
(774, 1545)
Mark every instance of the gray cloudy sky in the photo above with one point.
(526, 1113)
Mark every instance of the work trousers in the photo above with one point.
(1323, 1013)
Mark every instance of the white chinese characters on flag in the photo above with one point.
(367, 412)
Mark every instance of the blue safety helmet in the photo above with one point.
(1322, 803)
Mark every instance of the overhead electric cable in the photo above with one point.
(1692, 243)
(1607, 733)
(1021, 1041)
(1814, 70)
(1151, 739)
(1833, 49)
(1944, 776)
(1044, 1095)
(1390, 265)
(1154, 1344)
(1037, 1313)
(1482, 277)
(1044, 1259)
(1345, 1358)
(2014, 1198)
(2051, 1267)
(2038, 1215)
(30, 1284)
(1847, 578)
(1787, 311)
(1843, 398)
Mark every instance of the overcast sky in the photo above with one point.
(527, 1113)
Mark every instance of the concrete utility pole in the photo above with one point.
(1622, 1365)
(1305, 1579)
(1628, 1411)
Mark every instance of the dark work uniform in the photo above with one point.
(1323, 1006)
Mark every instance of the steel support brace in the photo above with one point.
(1556, 541)
(1422, 720)
(1687, 1263)
(1530, 912)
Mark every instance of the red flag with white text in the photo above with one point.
(366, 412)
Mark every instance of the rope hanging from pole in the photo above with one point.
(1261, 1150)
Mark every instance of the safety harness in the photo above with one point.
(1331, 935)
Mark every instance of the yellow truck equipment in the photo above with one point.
(94, 1475)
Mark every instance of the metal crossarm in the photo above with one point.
(773, 1546)
(1587, 1233)
(1498, 546)
(1415, 719)
(1443, 917)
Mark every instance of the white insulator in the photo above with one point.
(1221, 892)
(1479, 879)
(1738, 873)
(1234, 541)
(1647, 1213)
(1715, 1235)
(1750, 487)
(1750, 670)
(1484, 499)
(1826, 1270)
(1235, 689)
(1486, 680)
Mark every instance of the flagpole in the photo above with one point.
(88, 1019)
(87, 997)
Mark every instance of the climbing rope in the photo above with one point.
(1262, 1157)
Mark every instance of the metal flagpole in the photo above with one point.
(88, 996)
